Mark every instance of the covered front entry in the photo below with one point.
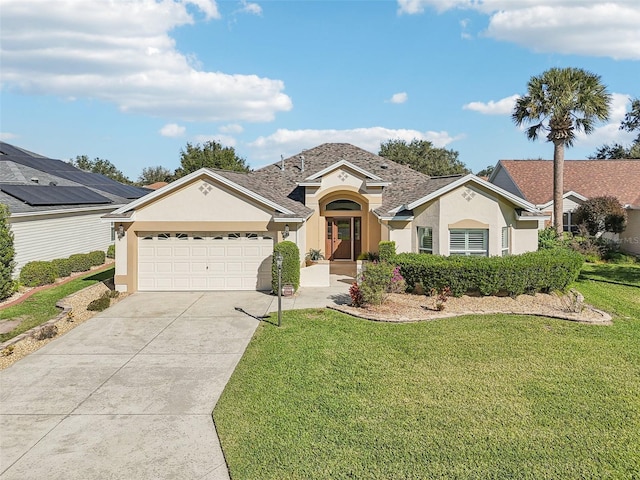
(174, 261)
(344, 238)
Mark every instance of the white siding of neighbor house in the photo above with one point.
(46, 237)
(630, 238)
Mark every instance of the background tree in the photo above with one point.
(155, 174)
(210, 155)
(561, 102)
(422, 156)
(486, 171)
(99, 165)
(7, 254)
(601, 214)
(631, 123)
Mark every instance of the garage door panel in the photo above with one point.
(205, 261)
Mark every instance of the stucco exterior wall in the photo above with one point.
(630, 238)
(471, 206)
(46, 237)
(214, 201)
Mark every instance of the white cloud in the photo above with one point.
(501, 107)
(121, 52)
(224, 140)
(583, 27)
(231, 128)
(172, 130)
(610, 132)
(250, 8)
(401, 97)
(288, 142)
(4, 136)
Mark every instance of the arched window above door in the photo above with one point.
(337, 205)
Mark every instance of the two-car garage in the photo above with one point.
(174, 261)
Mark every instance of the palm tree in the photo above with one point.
(562, 102)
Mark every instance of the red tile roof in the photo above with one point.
(589, 178)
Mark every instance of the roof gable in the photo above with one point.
(339, 165)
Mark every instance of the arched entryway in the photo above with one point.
(343, 213)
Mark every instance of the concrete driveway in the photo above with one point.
(129, 393)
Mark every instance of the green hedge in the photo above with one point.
(387, 251)
(63, 267)
(541, 271)
(111, 251)
(80, 262)
(37, 273)
(97, 258)
(290, 265)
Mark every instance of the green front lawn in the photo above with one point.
(41, 306)
(500, 396)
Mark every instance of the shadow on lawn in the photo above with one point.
(615, 274)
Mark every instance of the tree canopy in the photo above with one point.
(601, 214)
(99, 165)
(486, 171)
(7, 254)
(561, 102)
(155, 174)
(631, 123)
(422, 156)
(210, 155)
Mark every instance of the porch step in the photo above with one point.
(343, 268)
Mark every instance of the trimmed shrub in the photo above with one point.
(80, 262)
(290, 265)
(37, 273)
(369, 256)
(7, 254)
(96, 258)
(387, 251)
(100, 304)
(111, 251)
(63, 267)
(541, 271)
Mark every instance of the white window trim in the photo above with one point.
(506, 249)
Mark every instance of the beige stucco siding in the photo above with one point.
(471, 206)
(204, 200)
(46, 237)
(630, 238)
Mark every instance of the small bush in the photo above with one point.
(100, 304)
(111, 251)
(377, 281)
(548, 238)
(7, 254)
(63, 267)
(47, 331)
(619, 258)
(37, 273)
(80, 262)
(290, 265)
(356, 295)
(369, 256)
(387, 251)
(96, 258)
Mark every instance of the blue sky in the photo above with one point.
(133, 81)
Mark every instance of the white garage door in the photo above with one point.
(171, 261)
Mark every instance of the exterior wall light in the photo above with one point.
(120, 231)
(285, 234)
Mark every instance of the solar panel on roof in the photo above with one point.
(106, 184)
(39, 195)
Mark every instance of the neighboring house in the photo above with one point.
(215, 230)
(56, 209)
(583, 179)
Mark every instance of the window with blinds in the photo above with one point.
(472, 241)
(425, 239)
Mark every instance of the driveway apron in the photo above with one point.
(129, 393)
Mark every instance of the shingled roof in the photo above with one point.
(589, 178)
(405, 184)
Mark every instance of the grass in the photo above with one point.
(499, 396)
(41, 306)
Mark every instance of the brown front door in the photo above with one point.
(340, 238)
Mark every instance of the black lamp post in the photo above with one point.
(279, 265)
